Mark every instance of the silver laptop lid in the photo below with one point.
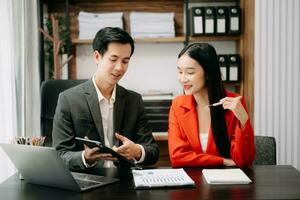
(41, 165)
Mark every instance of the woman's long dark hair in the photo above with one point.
(206, 56)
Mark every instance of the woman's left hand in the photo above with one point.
(234, 104)
(228, 162)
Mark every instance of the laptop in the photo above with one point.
(43, 166)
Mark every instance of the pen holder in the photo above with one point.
(34, 140)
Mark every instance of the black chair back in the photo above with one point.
(265, 150)
(50, 90)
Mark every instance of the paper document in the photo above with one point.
(225, 176)
(155, 178)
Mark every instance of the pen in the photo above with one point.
(215, 104)
(221, 102)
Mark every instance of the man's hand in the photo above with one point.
(92, 155)
(128, 149)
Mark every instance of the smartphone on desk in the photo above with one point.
(105, 149)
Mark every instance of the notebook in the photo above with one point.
(43, 166)
(160, 178)
(225, 176)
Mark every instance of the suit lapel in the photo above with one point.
(189, 122)
(92, 99)
(119, 107)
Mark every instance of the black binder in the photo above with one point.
(209, 22)
(234, 68)
(221, 20)
(223, 63)
(234, 25)
(197, 16)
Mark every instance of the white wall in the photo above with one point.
(277, 83)
(153, 66)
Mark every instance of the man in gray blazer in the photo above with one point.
(102, 110)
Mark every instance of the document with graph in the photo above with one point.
(160, 178)
(225, 176)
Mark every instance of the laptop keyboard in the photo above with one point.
(87, 180)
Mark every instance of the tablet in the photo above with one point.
(105, 149)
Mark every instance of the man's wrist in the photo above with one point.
(142, 157)
(139, 154)
(87, 165)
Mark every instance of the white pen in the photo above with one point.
(215, 104)
(220, 102)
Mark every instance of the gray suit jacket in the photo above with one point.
(78, 114)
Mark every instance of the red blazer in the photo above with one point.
(184, 143)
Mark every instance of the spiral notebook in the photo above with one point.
(161, 178)
(225, 176)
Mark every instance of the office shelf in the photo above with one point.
(139, 40)
(171, 40)
(214, 38)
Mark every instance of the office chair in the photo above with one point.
(265, 150)
(50, 90)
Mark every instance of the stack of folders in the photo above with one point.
(161, 178)
(90, 23)
(152, 25)
(225, 176)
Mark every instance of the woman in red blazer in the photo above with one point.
(202, 135)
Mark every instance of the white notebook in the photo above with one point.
(225, 176)
(156, 178)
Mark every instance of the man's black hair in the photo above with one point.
(111, 34)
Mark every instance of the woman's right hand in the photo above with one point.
(228, 162)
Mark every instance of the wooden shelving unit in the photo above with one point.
(125, 6)
(170, 40)
(214, 38)
(244, 47)
(139, 40)
(244, 42)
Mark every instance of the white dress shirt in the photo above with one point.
(107, 114)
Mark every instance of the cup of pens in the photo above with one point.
(34, 141)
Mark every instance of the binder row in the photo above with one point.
(216, 20)
(230, 66)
